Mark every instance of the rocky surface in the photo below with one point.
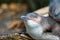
(15, 37)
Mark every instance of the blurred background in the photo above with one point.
(30, 4)
(11, 10)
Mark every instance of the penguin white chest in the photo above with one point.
(34, 29)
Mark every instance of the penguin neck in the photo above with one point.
(31, 25)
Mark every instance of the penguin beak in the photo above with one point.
(24, 18)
